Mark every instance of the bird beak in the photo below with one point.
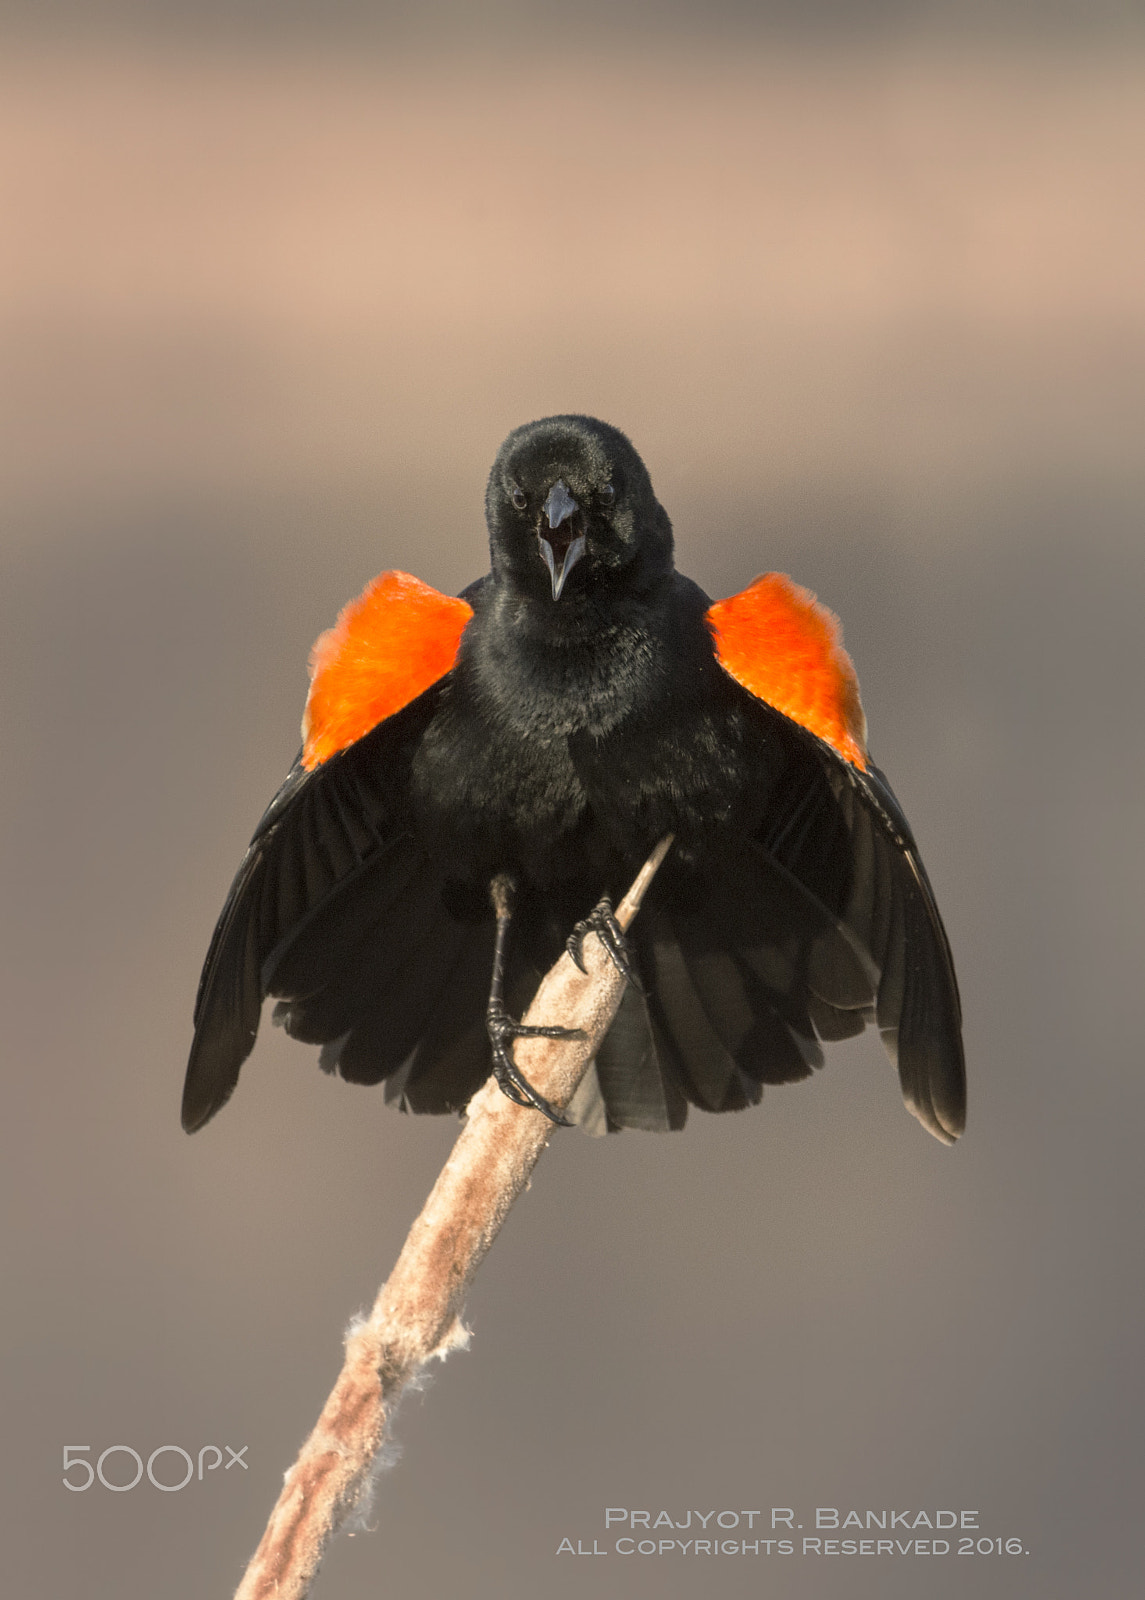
(559, 506)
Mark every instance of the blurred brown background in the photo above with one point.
(867, 289)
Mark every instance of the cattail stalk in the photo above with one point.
(417, 1315)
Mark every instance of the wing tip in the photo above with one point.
(206, 1090)
(945, 1121)
(195, 1113)
(944, 1135)
(198, 1109)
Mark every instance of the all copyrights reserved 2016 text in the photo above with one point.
(779, 1531)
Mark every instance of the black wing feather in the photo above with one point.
(841, 833)
(323, 831)
(820, 922)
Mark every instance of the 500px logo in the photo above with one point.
(75, 1457)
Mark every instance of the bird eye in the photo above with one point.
(518, 496)
(607, 493)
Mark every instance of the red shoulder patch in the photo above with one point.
(398, 637)
(784, 647)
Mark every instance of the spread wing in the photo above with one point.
(337, 829)
(840, 832)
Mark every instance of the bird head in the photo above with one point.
(571, 512)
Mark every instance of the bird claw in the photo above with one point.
(502, 1029)
(603, 923)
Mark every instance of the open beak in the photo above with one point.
(561, 551)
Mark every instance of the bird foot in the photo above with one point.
(502, 1030)
(603, 923)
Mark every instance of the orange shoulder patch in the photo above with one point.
(398, 637)
(784, 647)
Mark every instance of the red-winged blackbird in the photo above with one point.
(542, 733)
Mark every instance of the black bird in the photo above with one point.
(536, 738)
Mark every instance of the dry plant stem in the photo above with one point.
(417, 1314)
